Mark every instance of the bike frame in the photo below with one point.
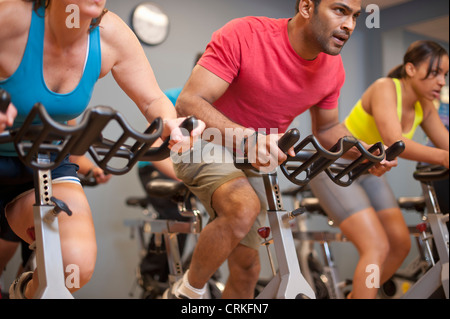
(48, 243)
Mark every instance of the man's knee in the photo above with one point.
(237, 203)
(244, 264)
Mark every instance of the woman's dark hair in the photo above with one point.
(39, 3)
(316, 3)
(45, 3)
(417, 53)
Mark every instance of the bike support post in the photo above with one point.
(48, 245)
(437, 221)
(289, 282)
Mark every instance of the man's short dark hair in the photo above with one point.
(316, 3)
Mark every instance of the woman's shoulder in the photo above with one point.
(114, 31)
(16, 5)
(383, 84)
(16, 16)
(118, 41)
(383, 88)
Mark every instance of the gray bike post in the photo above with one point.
(48, 245)
(438, 274)
(289, 282)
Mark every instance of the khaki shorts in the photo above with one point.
(204, 178)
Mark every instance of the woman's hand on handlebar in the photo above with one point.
(177, 135)
(94, 174)
(384, 166)
(100, 176)
(7, 118)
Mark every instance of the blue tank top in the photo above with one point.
(27, 85)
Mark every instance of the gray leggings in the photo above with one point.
(341, 202)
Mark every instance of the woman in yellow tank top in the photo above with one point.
(390, 110)
(363, 126)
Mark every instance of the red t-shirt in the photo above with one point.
(270, 84)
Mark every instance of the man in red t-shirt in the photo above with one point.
(257, 74)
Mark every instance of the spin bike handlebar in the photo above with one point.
(59, 140)
(308, 163)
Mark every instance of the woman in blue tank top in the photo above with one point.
(42, 59)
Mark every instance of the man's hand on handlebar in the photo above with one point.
(263, 152)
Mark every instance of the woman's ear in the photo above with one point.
(410, 69)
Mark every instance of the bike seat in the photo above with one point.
(412, 203)
(166, 188)
(137, 201)
(312, 205)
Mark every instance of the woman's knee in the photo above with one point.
(366, 232)
(379, 250)
(79, 264)
(78, 240)
(397, 232)
(400, 244)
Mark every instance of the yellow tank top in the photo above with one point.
(362, 125)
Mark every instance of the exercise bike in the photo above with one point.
(164, 234)
(434, 283)
(419, 279)
(288, 282)
(318, 266)
(44, 146)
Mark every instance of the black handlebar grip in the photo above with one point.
(5, 100)
(285, 142)
(288, 139)
(189, 124)
(395, 150)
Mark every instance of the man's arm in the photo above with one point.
(326, 126)
(201, 90)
